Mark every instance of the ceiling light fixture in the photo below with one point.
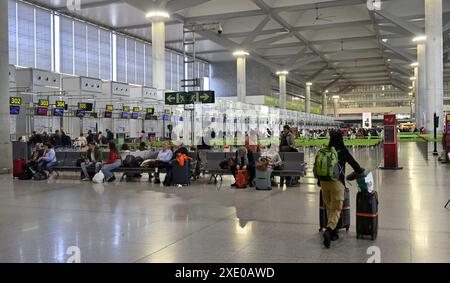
(415, 64)
(412, 78)
(241, 53)
(284, 73)
(420, 38)
(157, 15)
(309, 84)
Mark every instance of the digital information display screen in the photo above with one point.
(109, 108)
(125, 115)
(165, 117)
(80, 113)
(126, 109)
(136, 109)
(108, 114)
(14, 110)
(44, 103)
(58, 112)
(85, 106)
(389, 134)
(60, 104)
(15, 101)
(135, 116)
(41, 111)
(150, 110)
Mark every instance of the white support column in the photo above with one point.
(308, 98)
(415, 91)
(241, 61)
(336, 106)
(324, 104)
(282, 78)
(434, 59)
(159, 54)
(421, 85)
(5, 143)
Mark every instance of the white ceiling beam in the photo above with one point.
(270, 40)
(252, 36)
(96, 4)
(231, 45)
(332, 83)
(398, 51)
(294, 58)
(317, 73)
(400, 22)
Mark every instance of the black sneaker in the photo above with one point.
(157, 181)
(233, 185)
(327, 237)
(335, 235)
(112, 179)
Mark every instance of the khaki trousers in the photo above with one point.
(333, 198)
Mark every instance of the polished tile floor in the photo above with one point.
(139, 222)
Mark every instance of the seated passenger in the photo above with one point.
(37, 153)
(179, 150)
(81, 141)
(47, 161)
(244, 160)
(164, 157)
(273, 157)
(93, 160)
(113, 163)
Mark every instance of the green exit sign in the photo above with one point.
(181, 98)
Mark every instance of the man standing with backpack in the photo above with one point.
(329, 169)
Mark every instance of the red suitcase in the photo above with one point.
(19, 166)
(241, 179)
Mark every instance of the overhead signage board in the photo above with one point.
(60, 104)
(44, 103)
(15, 101)
(181, 98)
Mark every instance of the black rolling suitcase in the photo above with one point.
(367, 215)
(180, 175)
(344, 220)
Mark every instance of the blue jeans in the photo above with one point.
(108, 168)
(45, 165)
(84, 168)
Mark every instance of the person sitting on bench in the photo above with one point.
(48, 160)
(113, 163)
(274, 159)
(37, 153)
(93, 160)
(244, 161)
(163, 160)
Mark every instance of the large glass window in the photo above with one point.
(121, 59)
(84, 49)
(93, 59)
(12, 31)
(66, 45)
(25, 35)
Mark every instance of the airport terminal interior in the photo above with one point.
(224, 131)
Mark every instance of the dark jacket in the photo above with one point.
(344, 156)
(109, 137)
(37, 154)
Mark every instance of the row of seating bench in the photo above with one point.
(293, 164)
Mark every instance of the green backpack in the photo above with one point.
(326, 165)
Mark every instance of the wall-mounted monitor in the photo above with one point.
(14, 110)
(15, 101)
(166, 118)
(135, 116)
(151, 111)
(108, 114)
(150, 116)
(44, 103)
(80, 113)
(109, 108)
(136, 109)
(85, 106)
(58, 112)
(60, 104)
(124, 115)
(41, 111)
